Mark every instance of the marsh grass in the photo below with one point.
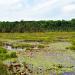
(4, 55)
(38, 36)
(3, 69)
(41, 46)
(23, 45)
(72, 47)
(54, 59)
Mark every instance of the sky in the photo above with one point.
(16, 10)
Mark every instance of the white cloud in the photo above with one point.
(69, 9)
(44, 5)
(37, 9)
(8, 2)
(6, 5)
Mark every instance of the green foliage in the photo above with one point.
(59, 66)
(67, 47)
(37, 36)
(28, 48)
(37, 26)
(23, 45)
(73, 42)
(41, 46)
(13, 55)
(72, 47)
(2, 50)
(3, 69)
(5, 55)
(1, 43)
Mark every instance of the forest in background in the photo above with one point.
(37, 26)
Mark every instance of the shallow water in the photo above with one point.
(56, 52)
(11, 48)
(68, 73)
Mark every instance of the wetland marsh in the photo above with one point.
(39, 53)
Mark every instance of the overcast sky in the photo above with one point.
(11, 10)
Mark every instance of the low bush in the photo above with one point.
(13, 55)
(2, 50)
(3, 69)
(23, 45)
(72, 41)
(41, 46)
(1, 43)
(72, 47)
(67, 48)
(3, 54)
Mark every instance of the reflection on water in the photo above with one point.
(52, 46)
(68, 73)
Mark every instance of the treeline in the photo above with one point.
(37, 26)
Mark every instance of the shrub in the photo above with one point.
(3, 69)
(13, 55)
(3, 54)
(60, 66)
(2, 50)
(28, 48)
(41, 46)
(1, 43)
(72, 47)
(23, 45)
(73, 42)
(67, 47)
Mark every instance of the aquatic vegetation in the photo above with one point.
(3, 69)
(5, 55)
(13, 55)
(41, 46)
(46, 51)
